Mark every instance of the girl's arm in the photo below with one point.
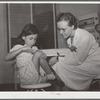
(11, 55)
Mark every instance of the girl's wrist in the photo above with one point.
(21, 50)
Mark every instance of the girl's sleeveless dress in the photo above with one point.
(26, 69)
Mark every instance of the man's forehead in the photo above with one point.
(63, 23)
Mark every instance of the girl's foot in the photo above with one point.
(51, 77)
(43, 79)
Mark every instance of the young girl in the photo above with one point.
(29, 58)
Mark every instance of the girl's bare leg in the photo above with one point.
(39, 59)
(36, 62)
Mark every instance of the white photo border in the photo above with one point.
(51, 94)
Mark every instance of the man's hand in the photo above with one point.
(52, 61)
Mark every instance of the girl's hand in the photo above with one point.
(25, 48)
(52, 61)
(34, 48)
(30, 51)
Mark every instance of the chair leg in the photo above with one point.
(36, 90)
(99, 83)
(42, 90)
(15, 86)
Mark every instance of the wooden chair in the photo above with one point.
(16, 77)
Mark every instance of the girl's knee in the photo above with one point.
(39, 54)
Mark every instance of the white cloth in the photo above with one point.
(77, 69)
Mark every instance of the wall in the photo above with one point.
(5, 67)
(99, 12)
(19, 16)
(3, 38)
(44, 20)
(79, 9)
(41, 8)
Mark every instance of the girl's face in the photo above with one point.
(30, 40)
(65, 29)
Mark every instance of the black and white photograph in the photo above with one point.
(49, 47)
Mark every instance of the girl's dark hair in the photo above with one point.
(29, 29)
(68, 17)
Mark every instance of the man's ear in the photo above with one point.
(23, 37)
(72, 26)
